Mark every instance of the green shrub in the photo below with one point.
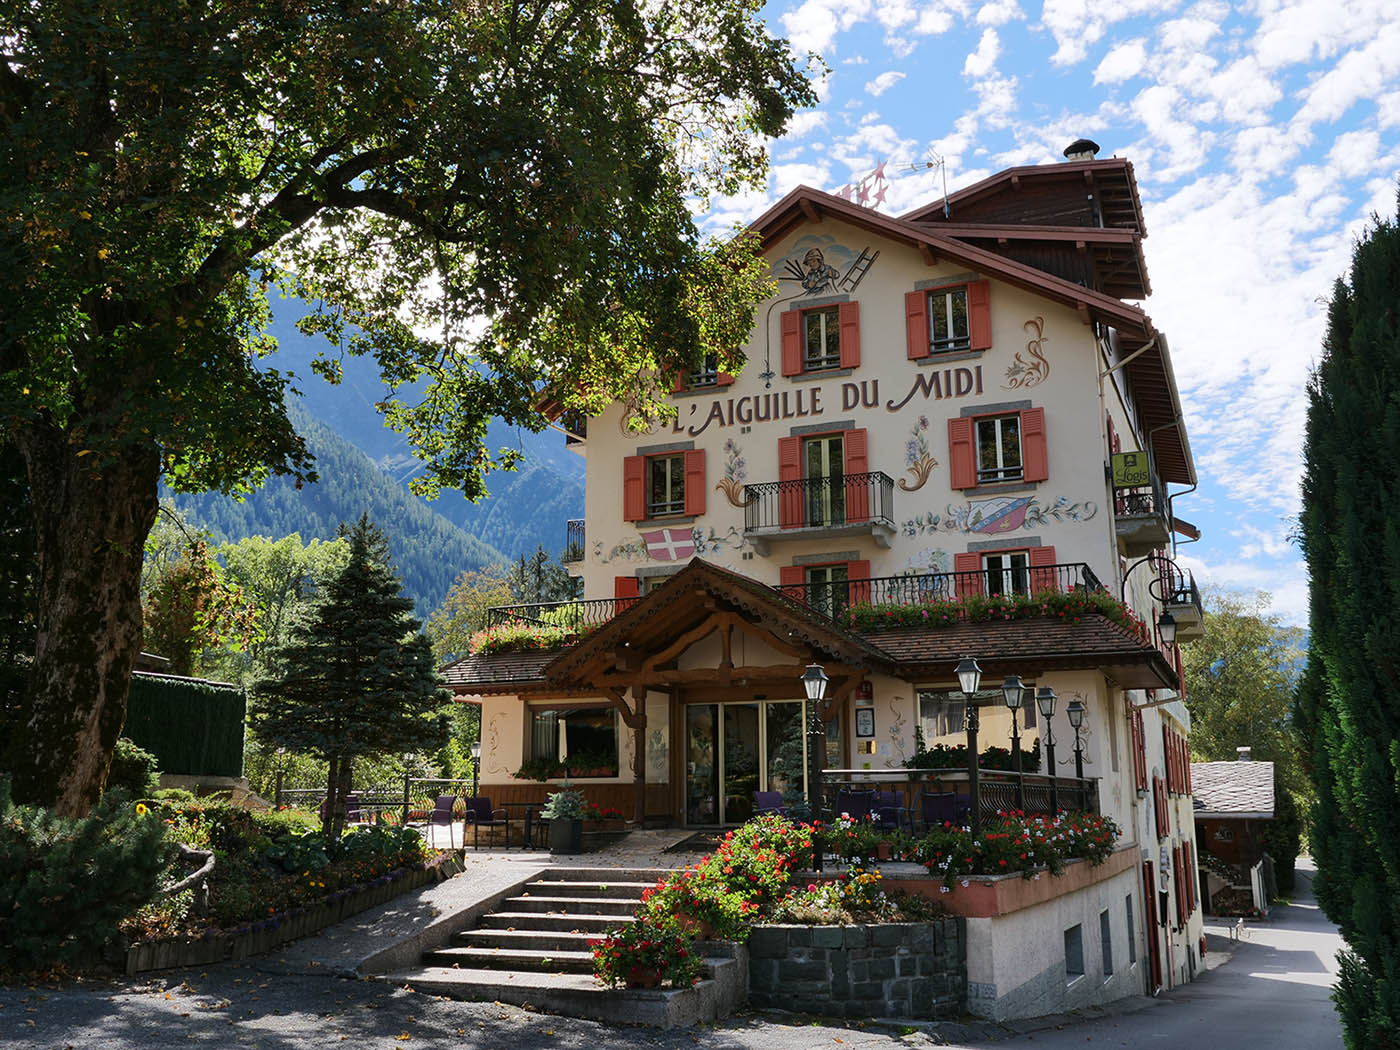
(133, 770)
(66, 884)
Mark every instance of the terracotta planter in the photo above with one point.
(884, 850)
(701, 929)
(643, 977)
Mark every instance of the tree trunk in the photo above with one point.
(90, 529)
(332, 802)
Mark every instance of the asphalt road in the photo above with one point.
(1271, 994)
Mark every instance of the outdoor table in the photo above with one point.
(528, 842)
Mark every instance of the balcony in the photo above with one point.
(573, 542)
(1183, 601)
(848, 505)
(1141, 518)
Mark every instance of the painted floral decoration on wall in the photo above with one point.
(735, 472)
(1022, 374)
(1001, 514)
(918, 459)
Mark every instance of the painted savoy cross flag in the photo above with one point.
(670, 544)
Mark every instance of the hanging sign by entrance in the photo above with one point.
(1130, 470)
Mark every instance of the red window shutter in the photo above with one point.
(634, 488)
(916, 324)
(792, 342)
(791, 503)
(859, 571)
(695, 481)
(857, 466)
(1112, 434)
(626, 591)
(1043, 577)
(1180, 889)
(1035, 457)
(1186, 746)
(1188, 856)
(849, 316)
(971, 579)
(1139, 752)
(679, 384)
(1170, 753)
(725, 379)
(962, 456)
(1180, 673)
(794, 581)
(979, 314)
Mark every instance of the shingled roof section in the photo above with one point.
(1016, 646)
(1233, 789)
(503, 672)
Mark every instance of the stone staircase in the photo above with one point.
(533, 951)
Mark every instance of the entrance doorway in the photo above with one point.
(735, 749)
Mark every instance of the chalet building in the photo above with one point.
(941, 413)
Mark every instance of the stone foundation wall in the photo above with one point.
(915, 969)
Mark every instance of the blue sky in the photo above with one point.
(1263, 136)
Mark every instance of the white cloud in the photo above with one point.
(813, 25)
(1122, 63)
(999, 13)
(883, 82)
(803, 123)
(981, 61)
(1077, 25)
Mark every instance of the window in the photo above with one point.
(581, 740)
(999, 449)
(951, 319)
(708, 373)
(665, 485)
(992, 449)
(1131, 928)
(821, 338)
(1008, 572)
(941, 714)
(1074, 953)
(948, 320)
(827, 589)
(824, 463)
(1106, 939)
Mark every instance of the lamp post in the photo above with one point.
(1166, 627)
(969, 679)
(1075, 711)
(814, 682)
(1045, 700)
(1013, 692)
(476, 765)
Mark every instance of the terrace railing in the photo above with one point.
(833, 598)
(574, 539)
(849, 500)
(996, 790)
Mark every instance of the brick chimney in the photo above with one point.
(1244, 755)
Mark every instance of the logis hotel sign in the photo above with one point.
(807, 401)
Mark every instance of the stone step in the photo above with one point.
(648, 875)
(545, 942)
(578, 888)
(521, 960)
(572, 905)
(531, 920)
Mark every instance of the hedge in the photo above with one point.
(193, 727)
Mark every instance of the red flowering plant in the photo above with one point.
(854, 836)
(643, 954)
(1015, 842)
(706, 907)
(757, 859)
(978, 608)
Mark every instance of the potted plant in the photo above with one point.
(643, 955)
(564, 811)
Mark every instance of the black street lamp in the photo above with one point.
(1166, 627)
(1045, 700)
(814, 682)
(1013, 692)
(969, 680)
(476, 765)
(1075, 711)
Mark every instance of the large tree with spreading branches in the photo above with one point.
(1348, 702)
(492, 198)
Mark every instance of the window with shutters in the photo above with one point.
(820, 339)
(1008, 572)
(955, 318)
(948, 320)
(824, 467)
(707, 374)
(995, 449)
(665, 485)
(827, 589)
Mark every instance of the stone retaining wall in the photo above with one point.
(914, 969)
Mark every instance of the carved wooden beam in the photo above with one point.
(810, 210)
(930, 256)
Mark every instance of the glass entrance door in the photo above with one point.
(825, 470)
(735, 749)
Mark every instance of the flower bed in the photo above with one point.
(976, 608)
(1016, 843)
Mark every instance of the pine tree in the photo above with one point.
(357, 678)
(1348, 702)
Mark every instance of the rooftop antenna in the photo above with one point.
(935, 161)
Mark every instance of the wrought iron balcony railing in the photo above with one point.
(1150, 499)
(573, 541)
(820, 503)
(832, 598)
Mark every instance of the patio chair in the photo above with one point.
(352, 808)
(939, 807)
(769, 802)
(889, 807)
(858, 804)
(481, 815)
(442, 814)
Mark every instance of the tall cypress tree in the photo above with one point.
(357, 678)
(1348, 702)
